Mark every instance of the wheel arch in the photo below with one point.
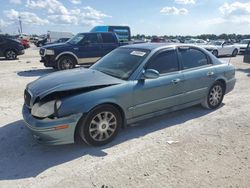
(223, 81)
(67, 54)
(84, 115)
(15, 50)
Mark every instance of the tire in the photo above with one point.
(215, 96)
(100, 126)
(10, 54)
(66, 62)
(235, 53)
(215, 53)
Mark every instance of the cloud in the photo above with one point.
(53, 6)
(173, 11)
(59, 14)
(26, 17)
(76, 2)
(185, 2)
(16, 1)
(3, 23)
(235, 8)
(86, 16)
(234, 13)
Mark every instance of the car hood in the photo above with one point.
(70, 80)
(56, 45)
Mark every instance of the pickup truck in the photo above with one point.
(83, 48)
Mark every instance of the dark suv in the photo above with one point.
(10, 48)
(84, 48)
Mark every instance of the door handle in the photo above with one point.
(76, 48)
(176, 81)
(210, 73)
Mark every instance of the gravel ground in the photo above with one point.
(193, 147)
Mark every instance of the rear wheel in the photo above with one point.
(66, 62)
(235, 52)
(215, 96)
(10, 54)
(101, 125)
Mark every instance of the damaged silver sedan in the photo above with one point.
(129, 84)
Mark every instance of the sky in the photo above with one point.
(149, 17)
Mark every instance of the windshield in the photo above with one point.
(244, 41)
(76, 39)
(216, 43)
(121, 63)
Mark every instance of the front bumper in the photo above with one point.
(45, 132)
(48, 61)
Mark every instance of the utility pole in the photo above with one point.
(20, 24)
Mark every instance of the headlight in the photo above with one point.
(50, 52)
(44, 110)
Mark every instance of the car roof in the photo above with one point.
(153, 46)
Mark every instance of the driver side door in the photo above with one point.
(153, 95)
(89, 49)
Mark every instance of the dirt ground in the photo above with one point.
(193, 147)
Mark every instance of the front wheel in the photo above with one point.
(66, 62)
(101, 125)
(215, 96)
(10, 54)
(235, 52)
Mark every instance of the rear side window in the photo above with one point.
(108, 38)
(193, 58)
(165, 62)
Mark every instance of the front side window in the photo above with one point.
(192, 58)
(165, 62)
(76, 39)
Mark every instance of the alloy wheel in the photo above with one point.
(102, 126)
(215, 95)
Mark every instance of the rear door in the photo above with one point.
(198, 72)
(109, 42)
(247, 54)
(152, 95)
(89, 49)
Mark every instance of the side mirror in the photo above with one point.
(151, 74)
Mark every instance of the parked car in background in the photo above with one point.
(222, 48)
(53, 36)
(246, 58)
(25, 43)
(158, 40)
(84, 48)
(196, 41)
(10, 48)
(131, 83)
(61, 40)
(242, 45)
(41, 42)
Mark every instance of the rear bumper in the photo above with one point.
(20, 52)
(230, 85)
(44, 130)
